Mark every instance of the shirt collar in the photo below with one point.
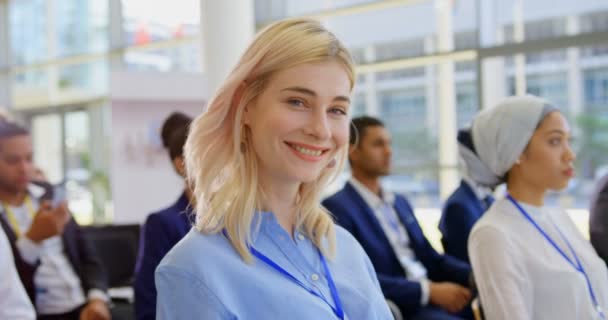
(34, 191)
(266, 222)
(372, 199)
(531, 209)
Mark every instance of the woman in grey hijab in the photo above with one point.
(530, 261)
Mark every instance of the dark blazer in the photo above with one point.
(80, 252)
(598, 219)
(461, 211)
(161, 232)
(352, 212)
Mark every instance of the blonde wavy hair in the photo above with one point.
(221, 168)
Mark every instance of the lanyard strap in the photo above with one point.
(11, 215)
(338, 311)
(578, 265)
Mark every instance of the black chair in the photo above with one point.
(476, 303)
(117, 247)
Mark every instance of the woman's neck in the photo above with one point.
(281, 201)
(526, 193)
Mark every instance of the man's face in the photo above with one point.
(373, 154)
(16, 166)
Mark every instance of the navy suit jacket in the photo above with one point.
(160, 233)
(79, 250)
(461, 211)
(352, 212)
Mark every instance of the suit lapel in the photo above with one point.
(366, 211)
(407, 218)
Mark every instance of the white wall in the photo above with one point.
(142, 178)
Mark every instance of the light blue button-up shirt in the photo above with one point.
(203, 277)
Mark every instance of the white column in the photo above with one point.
(575, 78)
(227, 28)
(5, 58)
(492, 70)
(371, 91)
(448, 153)
(116, 34)
(518, 36)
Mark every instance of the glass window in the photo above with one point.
(466, 103)
(82, 26)
(78, 165)
(415, 161)
(146, 21)
(28, 31)
(179, 58)
(47, 139)
(358, 106)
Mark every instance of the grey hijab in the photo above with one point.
(474, 168)
(501, 134)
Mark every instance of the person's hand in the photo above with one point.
(48, 221)
(95, 310)
(449, 296)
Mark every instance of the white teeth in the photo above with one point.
(314, 153)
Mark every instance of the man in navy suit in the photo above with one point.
(423, 283)
(465, 205)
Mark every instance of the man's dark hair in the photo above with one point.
(177, 142)
(173, 122)
(9, 129)
(358, 127)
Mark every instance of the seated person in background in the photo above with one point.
(598, 219)
(530, 260)
(57, 264)
(165, 228)
(466, 204)
(14, 302)
(423, 283)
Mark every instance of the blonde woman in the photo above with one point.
(530, 261)
(273, 136)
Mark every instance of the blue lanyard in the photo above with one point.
(578, 266)
(332, 287)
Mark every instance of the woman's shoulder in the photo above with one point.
(195, 251)
(348, 247)
(345, 238)
(499, 218)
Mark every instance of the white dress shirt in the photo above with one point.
(14, 302)
(520, 275)
(383, 208)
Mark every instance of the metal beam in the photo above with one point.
(579, 40)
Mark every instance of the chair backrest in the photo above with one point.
(476, 306)
(117, 247)
(476, 303)
(397, 315)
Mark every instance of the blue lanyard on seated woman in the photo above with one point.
(338, 311)
(578, 266)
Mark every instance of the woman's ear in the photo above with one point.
(237, 98)
(180, 166)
